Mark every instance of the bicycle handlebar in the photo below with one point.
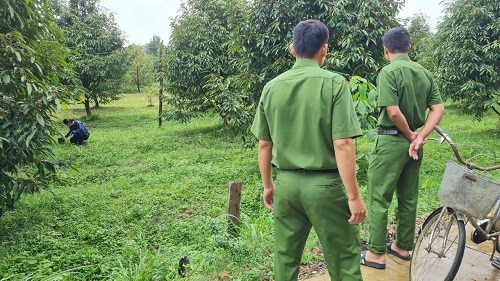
(439, 130)
(457, 154)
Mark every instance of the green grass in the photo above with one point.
(142, 197)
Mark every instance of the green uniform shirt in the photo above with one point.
(302, 111)
(408, 85)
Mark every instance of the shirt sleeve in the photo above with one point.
(387, 89)
(435, 97)
(345, 123)
(260, 127)
(79, 128)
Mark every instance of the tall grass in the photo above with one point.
(142, 197)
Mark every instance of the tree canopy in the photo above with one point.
(221, 53)
(141, 70)
(97, 42)
(32, 66)
(152, 47)
(421, 40)
(197, 51)
(467, 54)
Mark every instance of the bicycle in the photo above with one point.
(467, 197)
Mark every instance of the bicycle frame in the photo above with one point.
(489, 227)
(464, 217)
(471, 166)
(441, 243)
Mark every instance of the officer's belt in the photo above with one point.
(303, 171)
(388, 132)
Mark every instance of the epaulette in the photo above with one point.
(380, 68)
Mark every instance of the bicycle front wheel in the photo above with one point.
(439, 248)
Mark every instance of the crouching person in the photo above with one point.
(77, 131)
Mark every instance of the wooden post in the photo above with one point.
(160, 94)
(233, 205)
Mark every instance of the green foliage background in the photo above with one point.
(217, 62)
(32, 65)
(467, 55)
(96, 41)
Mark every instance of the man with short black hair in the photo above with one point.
(305, 123)
(406, 91)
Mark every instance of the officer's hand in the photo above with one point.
(415, 146)
(413, 136)
(269, 197)
(358, 210)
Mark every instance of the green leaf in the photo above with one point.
(372, 96)
(361, 108)
(41, 171)
(11, 10)
(363, 123)
(362, 92)
(6, 79)
(371, 135)
(29, 88)
(40, 119)
(352, 84)
(18, 56)
(30, 137)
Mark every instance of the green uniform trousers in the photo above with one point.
(303, 200)
(392, 170)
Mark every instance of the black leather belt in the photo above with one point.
(388, 132)
(303, 171)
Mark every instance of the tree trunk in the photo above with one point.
(96, 101)
(138, 80)
(87, 106)
(160, 93)
(160, 103)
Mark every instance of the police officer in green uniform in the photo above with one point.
(406, 91)
(305, 123)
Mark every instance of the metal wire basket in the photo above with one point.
(468, 192)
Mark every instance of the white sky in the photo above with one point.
(140, 20)
(431, 8)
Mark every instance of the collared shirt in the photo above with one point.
(410, 86)
(302, 111)
(78, 128)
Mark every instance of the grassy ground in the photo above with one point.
(142, 197)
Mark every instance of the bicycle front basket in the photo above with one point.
(468, 192)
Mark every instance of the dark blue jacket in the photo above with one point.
(77, 128)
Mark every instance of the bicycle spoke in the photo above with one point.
(437, 249)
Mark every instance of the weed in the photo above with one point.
(142, 197)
